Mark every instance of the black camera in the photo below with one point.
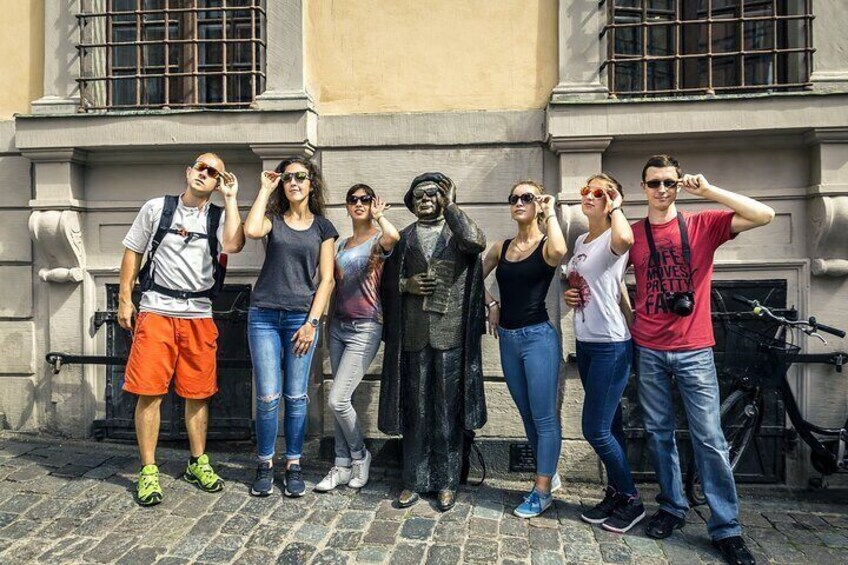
(680, 303)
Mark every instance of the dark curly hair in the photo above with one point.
(279, 204)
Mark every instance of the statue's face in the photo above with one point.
(425, 201)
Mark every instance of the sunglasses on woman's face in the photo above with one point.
(526, 198)
(364, 199)
(596, 192)
(298, 177)
(668, 183)
(211, 172)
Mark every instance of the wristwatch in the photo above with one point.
(314, 322)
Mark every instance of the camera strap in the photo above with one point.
(655, 255)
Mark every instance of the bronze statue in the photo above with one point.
(432, 381)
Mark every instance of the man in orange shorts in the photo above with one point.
(174, 332)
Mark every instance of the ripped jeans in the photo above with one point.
(278, 372)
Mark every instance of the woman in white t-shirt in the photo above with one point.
(604, 350)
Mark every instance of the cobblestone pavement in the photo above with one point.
(71, 502)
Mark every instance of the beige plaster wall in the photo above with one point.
(368, 56)
(22, 46)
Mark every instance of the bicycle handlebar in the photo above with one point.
(809, 326)
(745, 301)
(827, 329)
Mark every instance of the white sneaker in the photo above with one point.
(360, 471)
(337, 476)
(556, 483)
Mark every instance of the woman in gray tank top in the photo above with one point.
(286, 305)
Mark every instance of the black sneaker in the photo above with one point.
(263, 484)
(602, 510)
(734, 551)
(295, 486)
(628, 512)
(662, 524)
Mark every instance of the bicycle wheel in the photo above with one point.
(741, 414)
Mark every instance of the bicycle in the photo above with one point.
(759, 363)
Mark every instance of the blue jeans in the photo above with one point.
(269, 333)
(695, 375)
(530, 359)
(604, 370)
(353, 345)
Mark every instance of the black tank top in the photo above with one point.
(524, 285)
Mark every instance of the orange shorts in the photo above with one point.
(163, 347)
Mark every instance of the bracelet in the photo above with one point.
(549, 216)
(492, 304)
(614, 209)
(378, 218)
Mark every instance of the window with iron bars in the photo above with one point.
(674, 47)
(153, 54)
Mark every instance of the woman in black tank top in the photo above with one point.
(529, 345)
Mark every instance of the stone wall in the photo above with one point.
(19, 346)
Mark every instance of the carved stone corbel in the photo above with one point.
(57, 234)
(828, 242)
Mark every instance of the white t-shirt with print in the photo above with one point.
(176, 264)
(597, 272)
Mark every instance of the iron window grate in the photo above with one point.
(163, 54)
(680, 47)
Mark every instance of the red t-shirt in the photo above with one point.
(655, 327)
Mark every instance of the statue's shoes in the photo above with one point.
(407, 498)
(446, 499)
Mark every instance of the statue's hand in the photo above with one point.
(421, 284)
(447, 192)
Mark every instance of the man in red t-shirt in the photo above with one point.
(673, 340)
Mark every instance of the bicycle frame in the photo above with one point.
(804, 428)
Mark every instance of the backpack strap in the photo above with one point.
(219, 264)
(145, 276)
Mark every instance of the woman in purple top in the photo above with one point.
(356, 327)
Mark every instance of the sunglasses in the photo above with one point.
(668, 183)
(298, 177)
(212, 172)
(364, 199)
(596, 192)
(430, 191)
(526, 198)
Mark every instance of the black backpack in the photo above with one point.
(219, 262)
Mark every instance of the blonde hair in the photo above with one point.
(541, 189)
(609, 179)
(537, 185)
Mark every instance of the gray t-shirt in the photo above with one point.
(289, 276)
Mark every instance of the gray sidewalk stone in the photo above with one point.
(72, 502)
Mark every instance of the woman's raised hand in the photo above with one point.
(379, 207)
(547, 204)
(614, 198)
(270, 180)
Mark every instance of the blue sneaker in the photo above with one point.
(295, 486)
(533, 505)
